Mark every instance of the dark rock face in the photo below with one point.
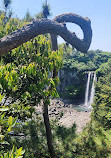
(72, 85)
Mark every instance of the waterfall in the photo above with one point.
(90, 90)
(87, 89)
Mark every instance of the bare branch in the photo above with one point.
(42, 26)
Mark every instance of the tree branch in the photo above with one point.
(42, 26)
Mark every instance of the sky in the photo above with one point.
(98, 11)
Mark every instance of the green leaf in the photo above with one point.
(10, 119)
(4, 143)
(4, 109)
(1, 97)
(52, 82)
(1, 136)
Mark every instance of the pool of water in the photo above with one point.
(82, 108)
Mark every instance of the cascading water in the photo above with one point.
(87, 89)
(89, 95)
(92, 90)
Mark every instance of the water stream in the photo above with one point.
(92, 90)
(89, 93)
(87, 89)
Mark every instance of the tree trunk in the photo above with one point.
(54, 48)
(55, 27)
(48, 128)
(42, 26)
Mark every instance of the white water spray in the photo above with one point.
(92, 90)
(89, 99)
(87, 89)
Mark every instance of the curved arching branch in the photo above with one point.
(43, 26)
(85, 25)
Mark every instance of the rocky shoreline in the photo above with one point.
(66, 115)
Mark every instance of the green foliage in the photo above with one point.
(8, 12)
(28, 76)
(28, 17)
(9, 26)
(75, 92)
(34, 139)
(46, 10)
(75, 64)
(6, 3)
(65, 137)
(25, 75)
(39, 15)
(85, 62)
(45, 13)
(102, 105)
(25, 80)
(95, 140)
(6, 126)
(80, 62)
(14, 153)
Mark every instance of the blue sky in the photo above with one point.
(99, 12)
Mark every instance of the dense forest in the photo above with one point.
(73, 74)
(25, 84)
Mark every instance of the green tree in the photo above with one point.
(28, 16)
(95, 140)
(45, 13)
(102, 110)
(31, 72)
(6, 126)
(6, 4)
(46, 10)
(27, 77)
